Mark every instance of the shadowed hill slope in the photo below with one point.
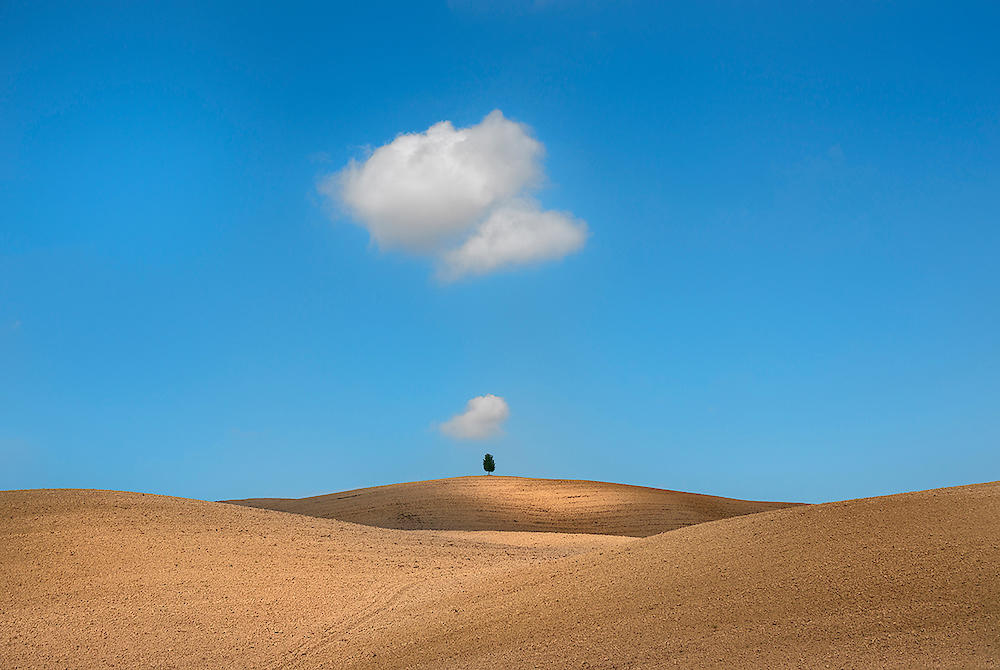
(518, 504)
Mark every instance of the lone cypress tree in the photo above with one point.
(488, 464)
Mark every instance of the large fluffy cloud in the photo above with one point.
(459, 195)
(483, 417)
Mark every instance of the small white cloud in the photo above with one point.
(483, 417)
(459, 195)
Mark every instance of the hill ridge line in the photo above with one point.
(512, 503)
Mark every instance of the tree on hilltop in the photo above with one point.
(488, 464)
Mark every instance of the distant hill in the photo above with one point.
(518, 503)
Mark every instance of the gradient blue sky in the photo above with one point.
(790, 288)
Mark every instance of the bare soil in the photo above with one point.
(101, 579)
(519, 503)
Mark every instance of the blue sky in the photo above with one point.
(788, 287)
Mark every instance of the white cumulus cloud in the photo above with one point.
(458, 195)
(515, 233)
(483, 417)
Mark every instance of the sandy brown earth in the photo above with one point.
(105, 579)
(108, 579)
(518, 503)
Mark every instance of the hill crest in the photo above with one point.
(505, 503)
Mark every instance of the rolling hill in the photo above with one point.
(518, 504)
(96, 579)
